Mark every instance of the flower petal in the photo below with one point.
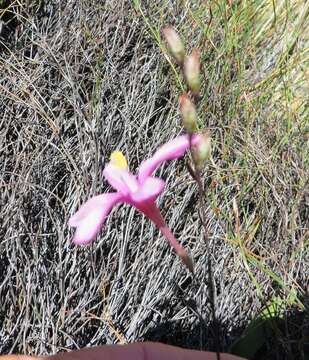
(171, 150)
(90, 217)
(150, 189)
(120, 179)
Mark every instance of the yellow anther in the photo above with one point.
(118, 160)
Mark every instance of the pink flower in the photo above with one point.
(140, 191)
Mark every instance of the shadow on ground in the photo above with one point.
(284, 337)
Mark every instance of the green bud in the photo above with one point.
(188, 112)
(192, 71)
(202, 150)
(175, 44)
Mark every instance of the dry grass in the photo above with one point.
(81, 79)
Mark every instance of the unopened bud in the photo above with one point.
(188, 113)
(175, 44)
(192, 71)
(202, 150)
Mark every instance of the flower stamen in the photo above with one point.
(118, 160)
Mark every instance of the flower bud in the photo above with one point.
(192, 71)
(202, 150)
(188, 113)
(175, 44)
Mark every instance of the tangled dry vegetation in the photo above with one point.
(80, 79)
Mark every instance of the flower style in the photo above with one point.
(140, 191)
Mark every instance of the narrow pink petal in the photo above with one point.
(120, 179)
(90, 217)
(150, 189)
(171, 150)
